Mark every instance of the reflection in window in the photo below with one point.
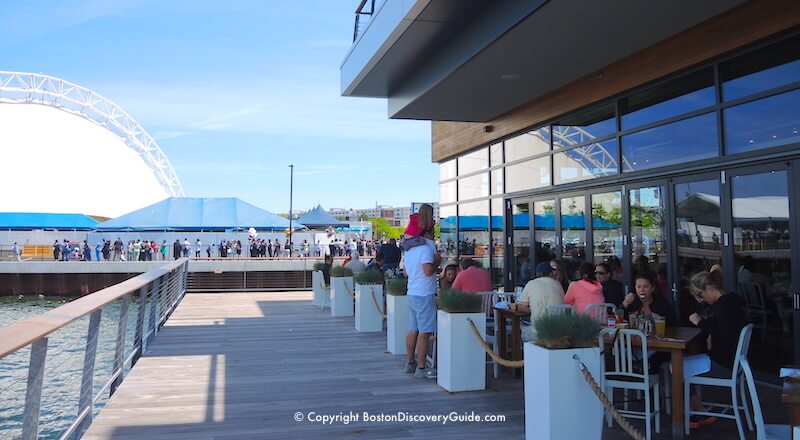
(521, 239)
(496, 248)
(475, 161)
(585, 126)
(573, 233)
(473, 231)
(528, 175)
(544, 230)
(473, 187)
(447, 230)
(771, 67)
(607, 231)
(682, 95)
(447, 170)
(496, 154)
(527, 144)
(497, 181)
(648, 253)
(682, 141)
(587, 162)
(447, 192)
(765, 123)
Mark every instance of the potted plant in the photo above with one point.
(461, 359)
(318, 285)
(555, 389)
(369, 301)
(342, 295)
(396, 315)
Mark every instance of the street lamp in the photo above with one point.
(291, 183)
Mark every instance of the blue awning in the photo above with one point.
(36, 220)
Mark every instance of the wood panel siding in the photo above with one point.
(746, 24)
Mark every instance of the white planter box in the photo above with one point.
(368, 319)
(461, 362)
(341, 301)
(556, 393)
(316, 286)
(396, 323)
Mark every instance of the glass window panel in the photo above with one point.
(682, 95)
(496, 250)
(496, 154)
(573, 234)
(527, 144)
(764, 69)
(497, 181)
(587, 162)
(763, 266)
(473, 231)
(447, 170)
(473, 187)
(447, 192)
(607, 239)
(544, 230)
(698, 232)
(447, 230)
(521, 239)
(765, 123)
(528, 175)
(584, 126)
(648, 251)
(472, 162)
(682, 141)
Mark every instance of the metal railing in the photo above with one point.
(364, 13)
(154, 294)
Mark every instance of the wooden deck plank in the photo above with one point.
(240, 365)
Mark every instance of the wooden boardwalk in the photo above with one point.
(240, 365)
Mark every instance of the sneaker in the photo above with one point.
(410, 367)
(696, 422)
(427, 373)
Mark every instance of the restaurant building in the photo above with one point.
(657, 136)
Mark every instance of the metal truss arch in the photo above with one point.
(36, 88)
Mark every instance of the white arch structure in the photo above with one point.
(34, 88)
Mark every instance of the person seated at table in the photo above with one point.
(355, 264)
(326, 269)
(448, 275)
(722, 326)
(613, 290)
(472, 278)
(539, 293)
(561, 276)
(585, 291)
(646, 301)
(376, 263)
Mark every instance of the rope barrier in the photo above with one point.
(375, 301)
(348, 292)
(488, 349)
(624, 423)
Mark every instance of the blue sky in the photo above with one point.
(233, 92)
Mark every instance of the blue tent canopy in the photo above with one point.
(196, 214)
(36, 220)
(319, 218)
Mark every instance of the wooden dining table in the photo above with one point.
(502, 316)
(676, 341)
(790, 396)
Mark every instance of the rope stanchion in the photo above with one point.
(623, 423)
(375, 301)
(488, 349)
(349, 293)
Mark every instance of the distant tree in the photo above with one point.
(380, 227)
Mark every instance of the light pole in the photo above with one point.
(291, 184)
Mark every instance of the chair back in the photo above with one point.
(629, 360)
(599, 312)
(487, 304)
(752, 295)
(557, 309)
(758, 416)
(742, 348)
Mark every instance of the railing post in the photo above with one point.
(33, 394)
(119, 352)
(152, 326)
(138, 338)
(87, 380)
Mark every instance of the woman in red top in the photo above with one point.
(585, 291)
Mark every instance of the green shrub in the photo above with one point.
(566, 331)
(318, 265)
(455, 301)
(369, 277)
(341, 271)
(397, 286)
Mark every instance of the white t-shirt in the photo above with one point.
(420, 284)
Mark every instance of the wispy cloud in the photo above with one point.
(164, 135)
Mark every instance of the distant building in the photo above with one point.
(395, 216)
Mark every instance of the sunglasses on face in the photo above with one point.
(600, 273)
